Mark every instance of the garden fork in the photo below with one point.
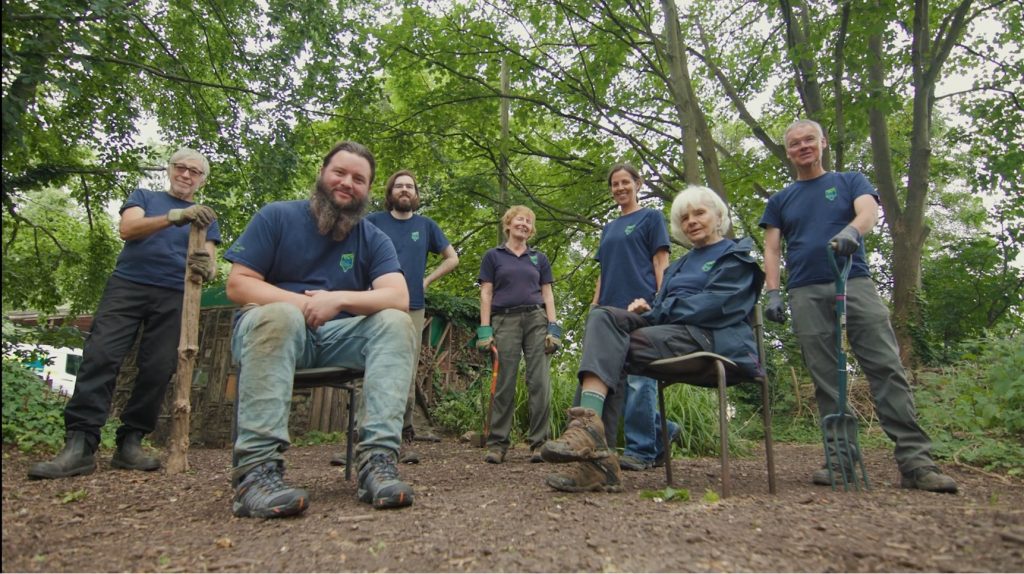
(837, 426)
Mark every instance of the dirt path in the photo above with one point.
(470, 516)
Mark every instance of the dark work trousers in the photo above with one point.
(617, 342)
(125, 307)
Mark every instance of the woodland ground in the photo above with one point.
(469, 516)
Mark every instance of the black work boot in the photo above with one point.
(76, 458)
(130, 456)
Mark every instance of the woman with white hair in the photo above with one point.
(703, 305)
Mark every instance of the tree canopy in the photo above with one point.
(692, 93)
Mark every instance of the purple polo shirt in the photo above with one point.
(517, 279)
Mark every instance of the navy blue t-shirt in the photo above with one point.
(413, 239)
(282, 244)
(516, 279)
(158, 259)
(693, 275)
(811, 212)
(626, 251)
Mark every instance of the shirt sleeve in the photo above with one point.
(255, 247)
(771, 217)
(383, 257)
(137, 198)
(546, 276)
(658, 233)
(487, 268)
(438, 241)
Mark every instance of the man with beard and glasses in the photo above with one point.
(414, 237)
(320, 288)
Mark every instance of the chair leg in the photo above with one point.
(665, 441)
(769, 445)
(350, 432)
(723, 427)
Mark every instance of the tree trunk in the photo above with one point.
(503, 160)
(188, 348)
(909, 229)
(678, 86)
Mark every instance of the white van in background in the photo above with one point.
(62, 369)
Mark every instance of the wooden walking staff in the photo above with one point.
(188, 347)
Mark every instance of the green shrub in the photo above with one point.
(33, 415)
(975, 410)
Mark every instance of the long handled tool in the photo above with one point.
(490, 402)
(838, 426)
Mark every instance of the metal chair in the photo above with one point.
(335, 377)
(338, 378)
(714, 371)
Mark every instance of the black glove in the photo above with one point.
(199, 214)
(846, 241)
(776, 309)
(201, 264)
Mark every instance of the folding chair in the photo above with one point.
(335, 377)
(338, 378)
(714, 371)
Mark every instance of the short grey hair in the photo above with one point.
(801, 123)
(698, 195)
(189, 153)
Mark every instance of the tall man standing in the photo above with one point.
(822, 209)
(145, 291)
(413, 236)
(321, 288)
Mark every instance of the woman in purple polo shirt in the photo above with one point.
(517, 316)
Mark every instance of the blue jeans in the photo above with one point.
(271, 341)
(643, 420)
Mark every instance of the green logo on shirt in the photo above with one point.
(630, 228)
(415, 236)
(707, 266)
(346, 261)
(533, 258)
(830, 194)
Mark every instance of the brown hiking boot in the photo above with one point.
(589, 476)
(495, 455)
(928, 478)
(582, 440)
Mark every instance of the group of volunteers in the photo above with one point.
(319, 284)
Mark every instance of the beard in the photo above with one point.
(405, 203)
(331, 218)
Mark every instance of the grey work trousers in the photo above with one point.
(873, 343)
(521, 336)
(618, 342)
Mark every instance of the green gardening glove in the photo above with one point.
(484, 338)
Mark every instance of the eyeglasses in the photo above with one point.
(411, 186)
(181, 168)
